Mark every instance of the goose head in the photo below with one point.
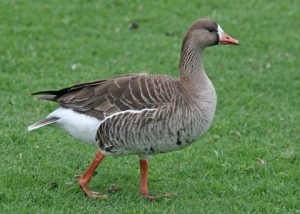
(204, 33)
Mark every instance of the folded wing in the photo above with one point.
(106, 97)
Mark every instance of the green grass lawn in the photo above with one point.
(248, 162)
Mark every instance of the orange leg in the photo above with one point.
(144, 179)
(144, 182)
(87, 176)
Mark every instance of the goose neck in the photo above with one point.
(190, 65)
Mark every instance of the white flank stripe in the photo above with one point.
(123, 112)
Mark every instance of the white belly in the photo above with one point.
(80, 126)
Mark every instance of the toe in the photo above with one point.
(149, 197)
(167, 195)
(98, 195)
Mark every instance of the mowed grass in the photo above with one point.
(248, 162)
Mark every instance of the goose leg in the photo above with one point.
(144, 182)
(84, 179)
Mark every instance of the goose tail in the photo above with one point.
(43, 122)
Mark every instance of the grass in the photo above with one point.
(248, 162)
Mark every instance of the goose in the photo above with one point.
(141, 114)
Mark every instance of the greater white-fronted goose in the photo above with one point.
(141, 114)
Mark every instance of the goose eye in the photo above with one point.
(210, 30)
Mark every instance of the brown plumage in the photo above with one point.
(106, 97)
(141, 114)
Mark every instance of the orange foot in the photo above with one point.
(83, 184)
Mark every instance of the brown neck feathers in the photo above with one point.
(190, 64)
